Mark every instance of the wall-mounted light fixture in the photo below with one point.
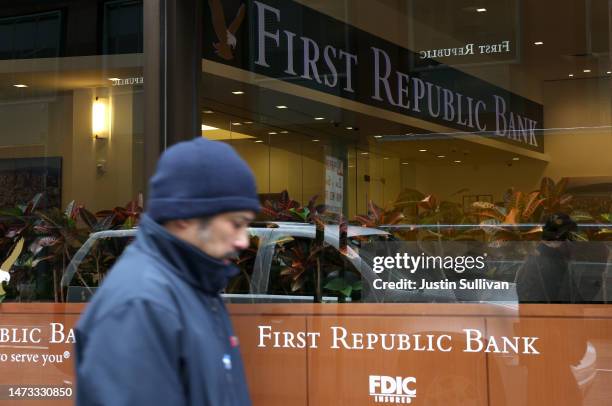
(100, 118)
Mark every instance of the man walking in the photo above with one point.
(157, 332)
(545, 275)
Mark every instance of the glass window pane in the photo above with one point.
(71, 146)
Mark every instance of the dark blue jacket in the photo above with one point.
(157, 331)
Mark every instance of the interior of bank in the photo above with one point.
(285, 139)
(73, 141)
(288, 133)
(295, 138)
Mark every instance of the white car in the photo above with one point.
(263, 281)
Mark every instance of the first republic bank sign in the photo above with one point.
(290, 42)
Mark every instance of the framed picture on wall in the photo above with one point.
(485, 198)
(467, 202)
(592, 194)
(23, 178)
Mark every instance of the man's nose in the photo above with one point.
(243, 241)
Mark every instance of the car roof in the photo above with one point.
(352, 231)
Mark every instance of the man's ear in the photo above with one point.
(182, 224)
(177, 225)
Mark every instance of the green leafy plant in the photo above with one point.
(104, 254)
(343, 286)
(16, 222)
(298, 261)
(378, 216)
(58, 238)
(51, 237)
(555, 199)
(500, 222)
(125, 217)
(6, 266)
(420, 209)
(286, 209)
(245, 262)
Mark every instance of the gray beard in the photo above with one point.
(204, 237)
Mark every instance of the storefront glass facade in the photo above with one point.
(72, 133)
(443, 124)
(435, 178)
(430, 131)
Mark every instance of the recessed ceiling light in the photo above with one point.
(441, 156)
(114, 79)
(208, 111)
(238, 92)
(316, 140)
(319, 118)
(351, 166)
(538, 43)
(404, 163)
(386, 157)
(516, 158)
(349, 128)
(284, 132)
(258, 141)
(20, 85)
(481, 10)
(586, 70)
(208, 128)
(571, 75)
(422, 150)
(378, 136)
(609, 72)
(236, 124)
(248, 122)
(458, 162)
(272, 132)
(281, 107)
(364, 153)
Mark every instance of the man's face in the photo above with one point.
(222, 236)
(225, 235)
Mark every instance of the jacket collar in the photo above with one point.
(187, 261)
(560, 252)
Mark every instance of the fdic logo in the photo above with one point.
(389, 389)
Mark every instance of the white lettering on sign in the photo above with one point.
(475, 342)
(35, 343)
(32, 335)
(328, 66)
(59, 336)
(128, 81)
(15, 335)
(315, 57)
(440, 102)
(263, 34)
(287, 339)
(341, 338)
(467, 49)
(392, 389)
(513, 126)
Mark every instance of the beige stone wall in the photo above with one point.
(583, 108)
(60, 126)
(116, 185)
(303, 176)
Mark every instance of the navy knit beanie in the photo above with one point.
(200, 178)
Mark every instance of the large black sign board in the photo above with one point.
(294, 43)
